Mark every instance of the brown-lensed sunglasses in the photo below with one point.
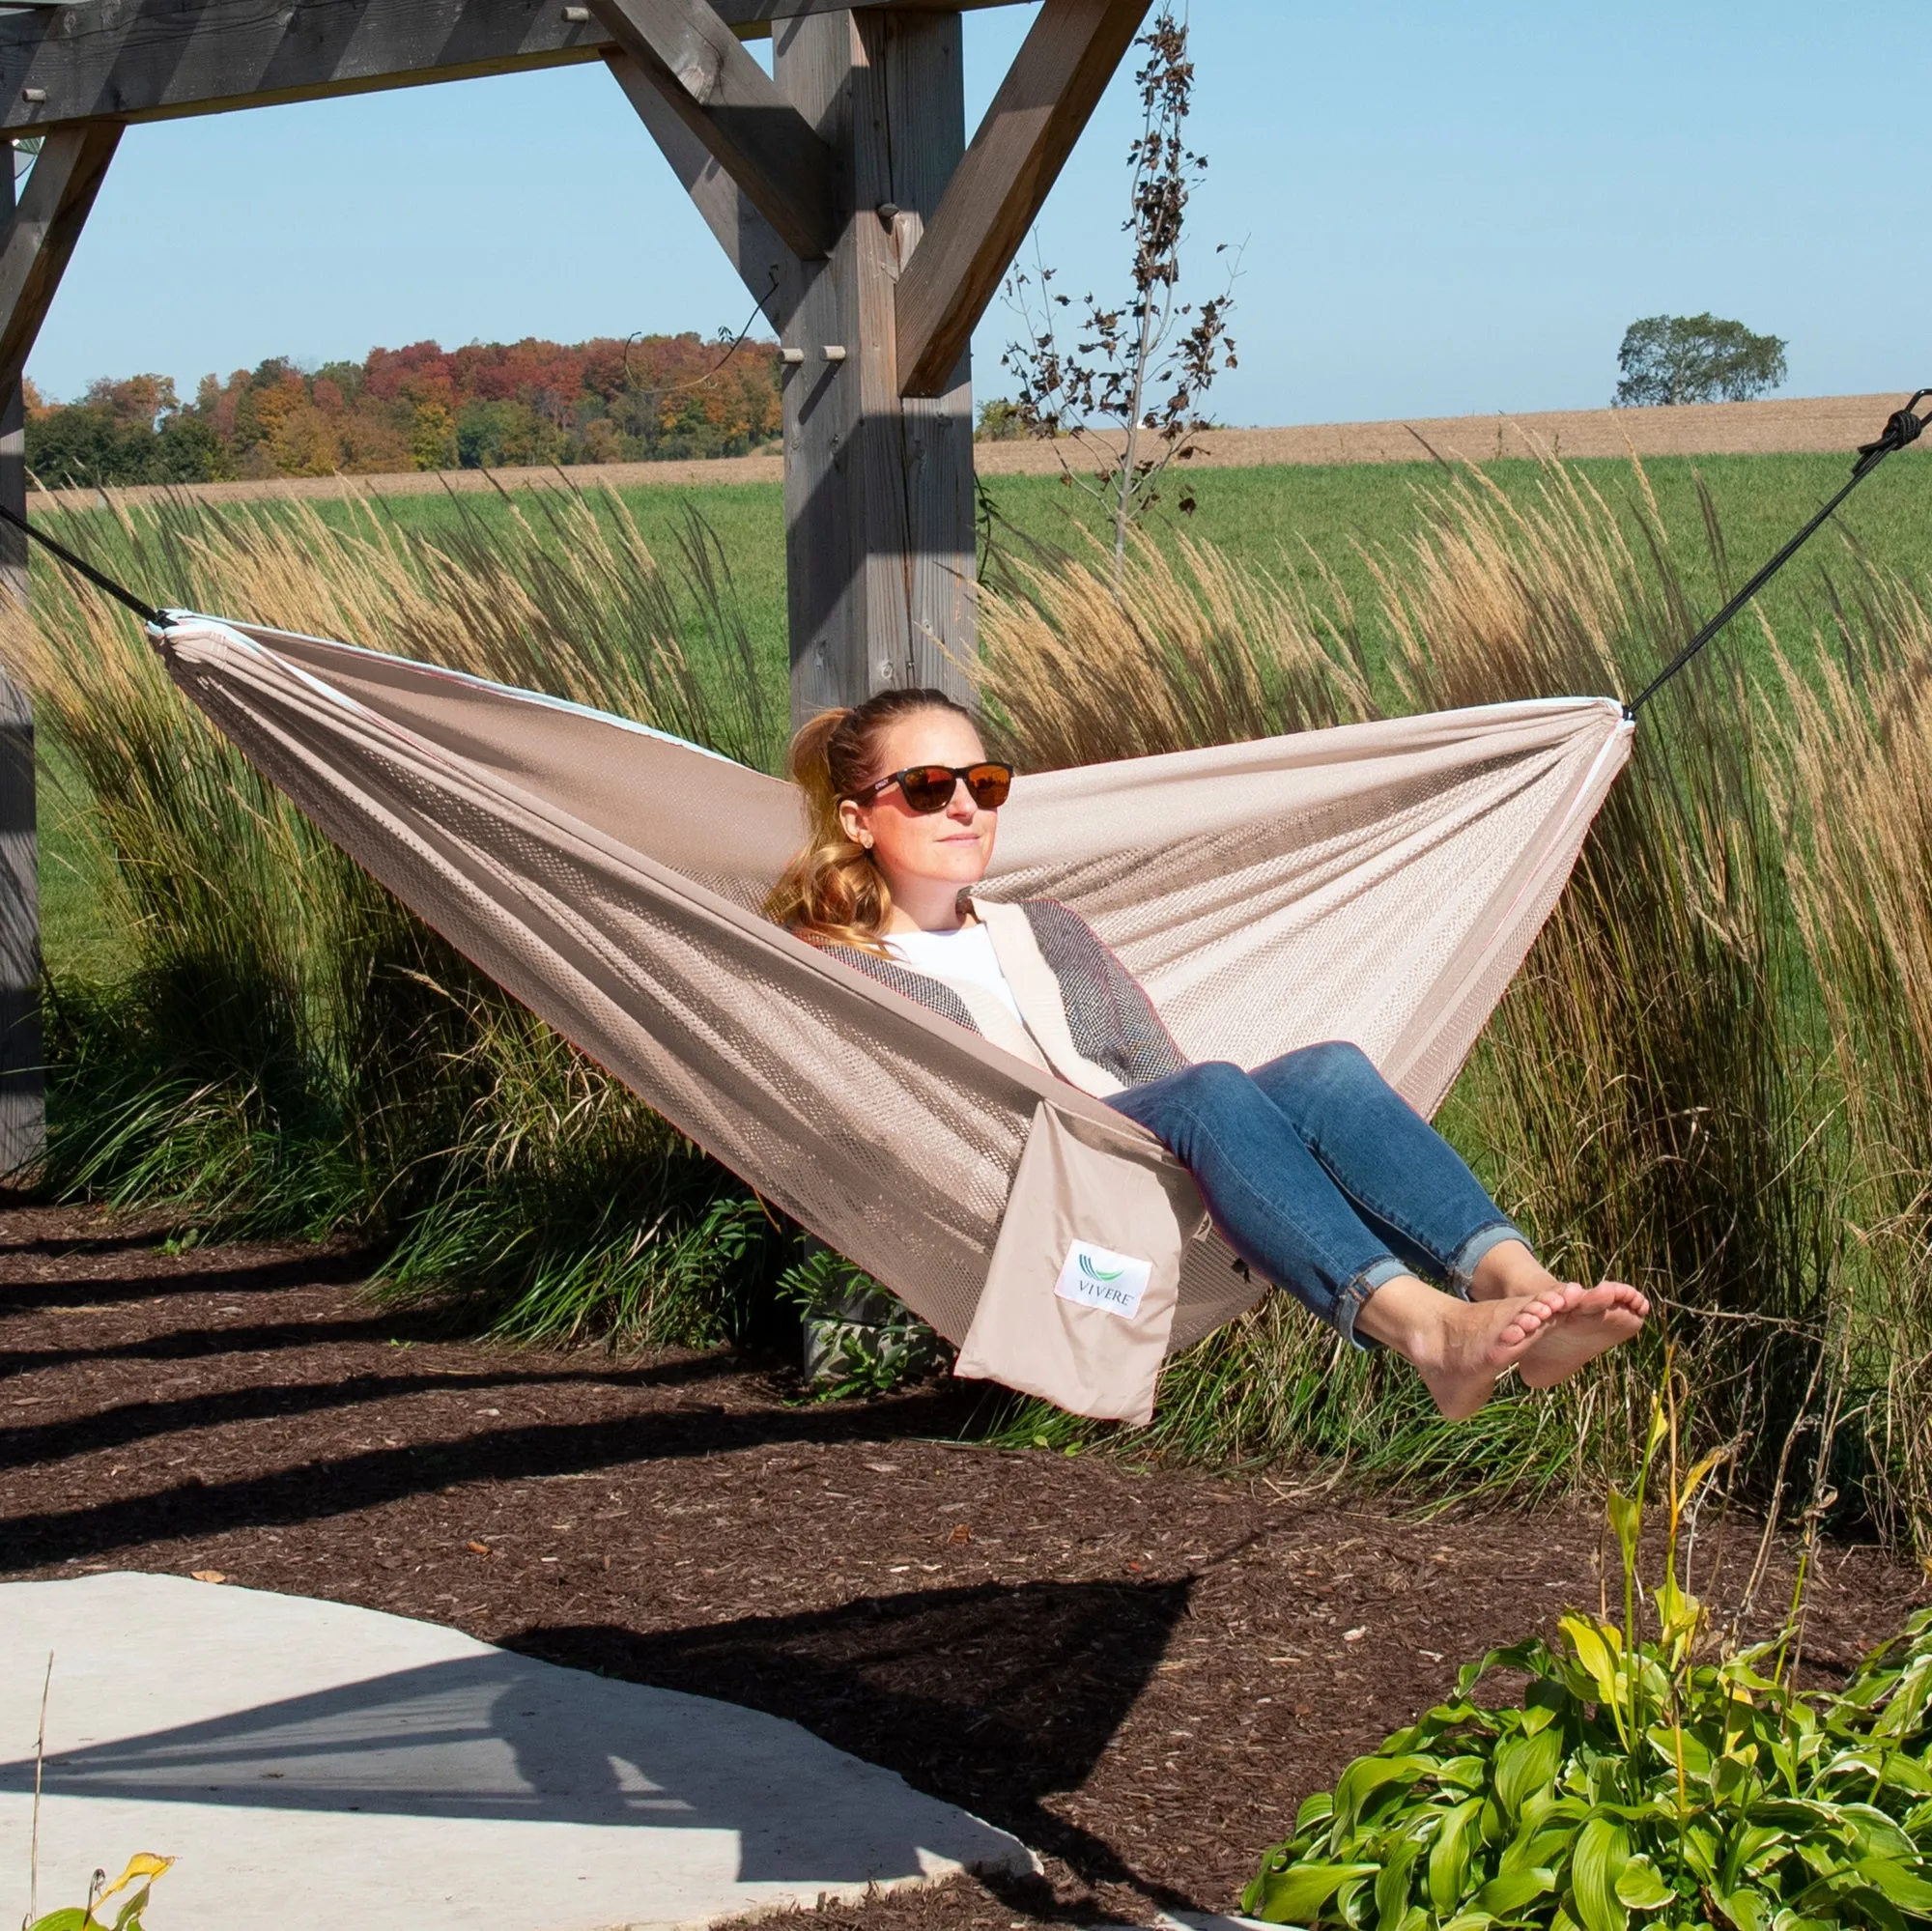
(929, 787)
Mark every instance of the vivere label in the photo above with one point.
(1096, 1277)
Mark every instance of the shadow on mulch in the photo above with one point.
(1139, 1670)
(993, 1697)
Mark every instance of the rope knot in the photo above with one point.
(1902, 426)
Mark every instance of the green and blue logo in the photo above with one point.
(1097, 1277)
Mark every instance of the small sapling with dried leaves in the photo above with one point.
(1126, 393)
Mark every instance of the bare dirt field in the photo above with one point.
(1830, 423)
(1139, 1670)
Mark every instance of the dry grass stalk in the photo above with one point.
(293, 1050)
(1190, 650)
(1647, 1095)
(1855, 781)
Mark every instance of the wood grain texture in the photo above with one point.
(729, 104)
(144, 60)
(1050, 92)
(22, 1083)
(879, 497)
(42, 233)
(909, 131)
(812, 61)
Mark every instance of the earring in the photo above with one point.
(866, 841)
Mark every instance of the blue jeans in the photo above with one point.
(1321, 1177)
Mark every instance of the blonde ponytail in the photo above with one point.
(831, 893)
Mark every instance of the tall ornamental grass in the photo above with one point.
(1855, 791)
(292, 1051)
(1656, 1099)
(1708, 1080)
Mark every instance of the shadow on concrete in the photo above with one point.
(991, 1697)
(509, 1738)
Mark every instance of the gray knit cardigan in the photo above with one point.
(1112, 1020)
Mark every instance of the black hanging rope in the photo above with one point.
(1901, 427)
(98, 578)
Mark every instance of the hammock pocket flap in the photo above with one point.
(1376, 882)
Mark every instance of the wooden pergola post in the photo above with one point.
(35, 246)
(23, 1084)
(879, 510)
(841, 184)
(844, 191)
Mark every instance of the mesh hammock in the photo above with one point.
(1379, 883)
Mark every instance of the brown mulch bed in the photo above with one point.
(1140, 1671)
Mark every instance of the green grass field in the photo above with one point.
(1270, 518)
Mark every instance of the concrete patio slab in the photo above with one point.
(314, 1765)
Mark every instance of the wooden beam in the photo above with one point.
(1053, 85)
(731, 105)
(154, 60)
(768, 269)
(22, 1079)
(40, 239)
(879, 500)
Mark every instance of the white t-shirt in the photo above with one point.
(965, 954)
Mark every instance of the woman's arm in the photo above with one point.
(1112, 1019)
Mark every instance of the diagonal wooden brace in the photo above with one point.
(1055, 83)
(39, 241)
(725, 98)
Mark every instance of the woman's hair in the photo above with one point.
(832, 892)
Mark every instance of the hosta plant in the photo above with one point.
(141, 1872)
(1641, 1782)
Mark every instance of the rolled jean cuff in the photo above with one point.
(1352, 1298)
(1470, 1255)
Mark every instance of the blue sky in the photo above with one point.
(1445, 210)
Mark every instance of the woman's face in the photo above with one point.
(950, 849)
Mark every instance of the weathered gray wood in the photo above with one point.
(40, 236)
(812, 61)
(764, 264)
(1055, 82)
(22, 1083)
(729, 103)
(150, 60)
(878, 498)
(909, 131)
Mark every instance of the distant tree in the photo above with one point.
(1001, 420)
(143, 400)
(487, 404)
(133, 430)
(188, 450)
(431, 437)
(1678, 359)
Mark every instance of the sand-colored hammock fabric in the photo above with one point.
(1376, 882)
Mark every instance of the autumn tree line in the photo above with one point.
(488, 406)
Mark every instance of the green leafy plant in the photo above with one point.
(142, 1871)
(859, 1338)
(1649, 1776)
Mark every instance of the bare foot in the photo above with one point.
(1604, 1317)
(1460, 1347)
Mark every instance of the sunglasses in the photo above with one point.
(929, 787)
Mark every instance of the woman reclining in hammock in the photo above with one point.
(1319, 1175)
